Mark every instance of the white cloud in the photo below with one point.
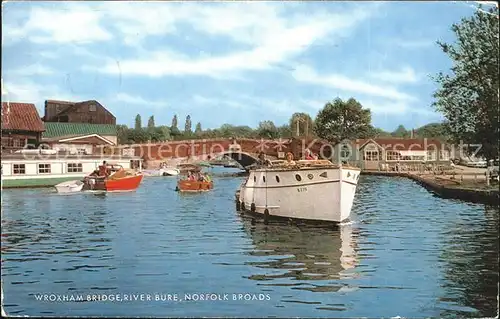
(307, 75)
(31, 92)
(405, 75)
(31, 70)
(272, 38)
(413, 44)
(62, 23)
(210, 101)
(137, 100)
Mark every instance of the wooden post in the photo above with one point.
(461, 177)
(487, 173)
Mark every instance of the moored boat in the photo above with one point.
(70, 187)
(168, 171)
(42, 168)
(309, 190)
(194, 186)
(119, 179)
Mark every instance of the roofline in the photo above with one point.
(60, 101)
(10, 102)
(86, 136)
(368, 141)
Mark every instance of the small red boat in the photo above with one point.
(119, 179)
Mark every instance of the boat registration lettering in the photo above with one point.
(302, 189)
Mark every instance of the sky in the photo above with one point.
(229, 62)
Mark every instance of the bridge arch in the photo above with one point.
(242, 158)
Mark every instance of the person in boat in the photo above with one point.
(201, 177)
(207, 178)
(315, 156)
(261, 157)
(289, 159)
(308, 155)
(103, 170)
(191, 176)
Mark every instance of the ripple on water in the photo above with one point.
(405, 252)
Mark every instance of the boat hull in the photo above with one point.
(194, 186)
(317, 194)
(123, 184)
(69, 187)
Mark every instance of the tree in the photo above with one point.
(187, 127)
(138, 136)
(400, 132)
(431, 130)
(375, 132)
(138, 122)
(175, 133)
(198, 130)
(339, 120)
(468, 95)
(151, 122)
(301, 124)
(267, 129)
(285, 131)
(122, 134)
(174, 122)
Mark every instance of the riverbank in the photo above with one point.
(465, 187)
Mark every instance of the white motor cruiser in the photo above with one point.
(314, 190)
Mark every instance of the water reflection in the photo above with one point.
(471, 259)
(288, 253)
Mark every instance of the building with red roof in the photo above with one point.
(21, 125)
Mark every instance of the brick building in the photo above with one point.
(77, 112)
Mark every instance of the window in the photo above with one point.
(19, 169)
(92, 108)
(393, 156)
(418, 158)
(75, 168)
(298, 177)
(324, 174)
(7, 141)
(43, 168)
(19, 142)
(264, 178)
(277, 178)
(431, 155)
(370, 156)
(254, 179)
(310, 176)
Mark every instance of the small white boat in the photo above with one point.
(168, 171)
(69, 187)
(171, 171)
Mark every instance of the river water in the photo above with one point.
(407, 253)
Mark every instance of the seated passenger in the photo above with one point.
(103, 170)
(207, 177)
(289, 159)
(308, 155)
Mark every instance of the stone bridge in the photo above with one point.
(242, 150)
